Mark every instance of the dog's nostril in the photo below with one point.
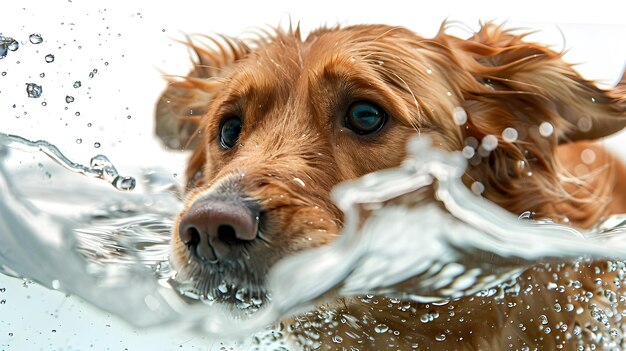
(191, 236)
(228, 235)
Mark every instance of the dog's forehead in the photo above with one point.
(287, 62)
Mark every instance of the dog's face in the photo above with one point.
(281, 123)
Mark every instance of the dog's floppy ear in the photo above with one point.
(536, 85)
(522, 100)
(186, 99)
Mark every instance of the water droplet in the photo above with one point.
(56, 284)
(381, 328)
(3, 301)
(489, 142)
(429, 71)
(440, 337)
(79, 141)
(42, 75)
(77, 113)
(460, 115)
(14, 45)
(509, 135)
(478, 188)
(584, 124)
(4, 73)
(241, 294)
(33, 90)
(77, 84)
(299, 181)
(588, 156)
(557, 307)
(543, 319)
(96, 144)
(49, 58)
(468, 152)
(35, 38)
(222, 288)
(124, 183)
(54, 330)
(546, 129)
(128, 117)
(337, 339)
(69, 99)
(10, 334)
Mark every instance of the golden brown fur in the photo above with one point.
(293, 94)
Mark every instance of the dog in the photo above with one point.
(275, 122)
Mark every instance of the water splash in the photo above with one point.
(434, 220)
(99, 166)
(7, 44)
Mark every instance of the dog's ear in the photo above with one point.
(534, 85)
(521, 101)
(186, 99)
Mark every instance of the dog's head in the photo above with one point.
(274, 123)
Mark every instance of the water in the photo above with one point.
(35, 38)
(33, 90)
(113, 238)
(99, 166)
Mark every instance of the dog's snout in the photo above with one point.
(212, 228)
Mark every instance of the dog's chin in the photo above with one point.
(236, 286)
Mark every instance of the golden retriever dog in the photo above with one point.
(275, 122)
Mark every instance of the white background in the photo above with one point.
(132, 43)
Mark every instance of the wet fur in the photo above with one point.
(292, 94)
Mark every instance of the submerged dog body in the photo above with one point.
(274, 123)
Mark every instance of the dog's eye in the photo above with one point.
(365, 117)
(229, 131)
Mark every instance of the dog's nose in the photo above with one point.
(213, 228)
